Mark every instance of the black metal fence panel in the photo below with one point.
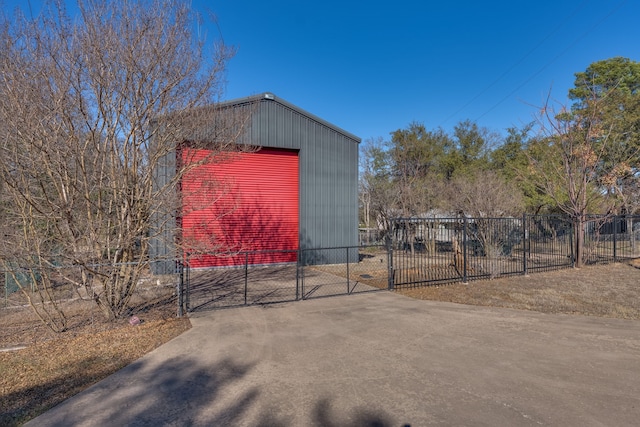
(627, 241)
(416, 252)
(426, 251)
(364, 269)
(250, 283)
(610, 239)
(442, 250)
(548, 243)
(316, 273)
(493, 247)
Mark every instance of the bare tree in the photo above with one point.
(491, 202)
(569, 164)
(377, 192)
(90, 104)
(484, 194)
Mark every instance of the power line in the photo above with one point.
(562, 53)
(520, 61)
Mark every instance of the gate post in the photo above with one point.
(299, 251)
(180, 268)
(302, 258)
(390, 275)
(615, 235)
(465, 230)
(246, 275)
(348, 283)
(524, 244)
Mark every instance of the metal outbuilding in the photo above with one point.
(297, 190)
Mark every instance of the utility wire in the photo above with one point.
(562, 53)
(520, 61)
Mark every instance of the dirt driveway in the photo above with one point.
(375, 359)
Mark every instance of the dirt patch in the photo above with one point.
(611, 290)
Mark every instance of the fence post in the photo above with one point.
(186, 281)
(464, 249)
(390, 275)
(246, 275)
(298, 274)
(615, 238)
(180, 268)
(187, 289)
(348, 283)
(524, 244)
(302, 258)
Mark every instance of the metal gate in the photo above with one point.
(316, 273)
(418, 252)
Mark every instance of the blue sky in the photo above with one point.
(371, 67)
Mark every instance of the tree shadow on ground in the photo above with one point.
(177, 392)
(230, 287)
(182, 392)
(324, 416)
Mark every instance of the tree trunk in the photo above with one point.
(458, 257)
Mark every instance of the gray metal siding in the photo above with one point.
(328, 172)
(162, 248)
(276, 126)
(328, 190)
(328, 162)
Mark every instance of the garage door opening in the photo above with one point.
(238, 202)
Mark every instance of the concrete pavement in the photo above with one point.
(377, 359)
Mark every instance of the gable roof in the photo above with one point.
(270, 97)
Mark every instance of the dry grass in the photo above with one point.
(53, 367)
(611, 290)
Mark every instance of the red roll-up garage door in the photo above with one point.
(240, 202)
